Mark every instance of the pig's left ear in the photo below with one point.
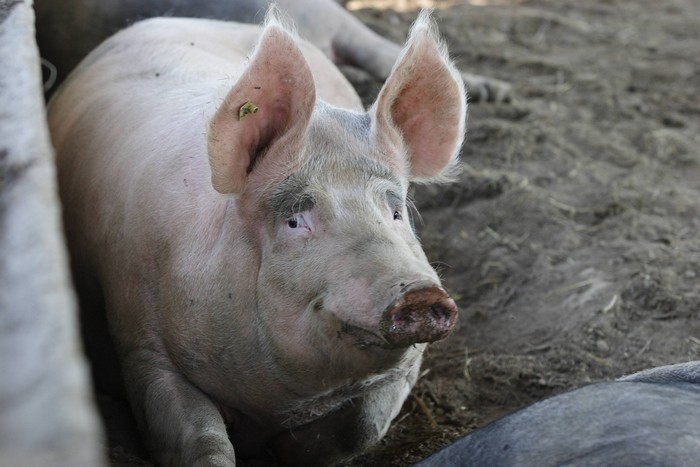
(265, 114)
(422, 108)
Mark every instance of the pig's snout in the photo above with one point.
(421, 314)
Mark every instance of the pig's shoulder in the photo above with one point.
(190, 29)
(174, 43)
(160, 35)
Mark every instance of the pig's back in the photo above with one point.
(130, 124)
(144, 98)
(130, 130)
(177, 55)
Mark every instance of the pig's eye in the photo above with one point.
(397, 216)
(296, 222)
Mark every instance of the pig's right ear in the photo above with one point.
(266, 112)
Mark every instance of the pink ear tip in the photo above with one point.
(279, 25)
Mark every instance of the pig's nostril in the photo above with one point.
(437, 311)
(404, 317)
(443, 313)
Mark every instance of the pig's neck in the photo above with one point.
(325, 369)
(300, 411)
(290, 399)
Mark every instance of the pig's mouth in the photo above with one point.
(364, 338)
(421, 315)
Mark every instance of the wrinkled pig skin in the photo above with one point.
(244, 225)
(648, 418)
(68, 30)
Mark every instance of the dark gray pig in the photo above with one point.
(648, 418)
(246, 225)
(68, 30)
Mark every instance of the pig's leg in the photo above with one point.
(348, 431)
(486, 89)
(180, 423)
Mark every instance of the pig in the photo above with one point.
(648, 418)
(68, 30)
(243, 226)
(47, 413)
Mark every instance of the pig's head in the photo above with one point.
(322, 192)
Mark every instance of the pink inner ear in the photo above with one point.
(430, 124)
(279, 83)
(425, 100)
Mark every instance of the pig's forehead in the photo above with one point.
(335, 127)
(334, 180)
(339, 141)
(324, 172)
(340, 149)
(338, 162)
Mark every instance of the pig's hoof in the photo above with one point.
(483, 89)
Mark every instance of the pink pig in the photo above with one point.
(242, 223)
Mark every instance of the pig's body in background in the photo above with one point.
(250, 242)
(68, 30)
(649, 418)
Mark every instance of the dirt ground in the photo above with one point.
(570, 241)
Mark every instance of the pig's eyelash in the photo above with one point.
(413, 213)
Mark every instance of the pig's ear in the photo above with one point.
(266, 112)
(422, 107)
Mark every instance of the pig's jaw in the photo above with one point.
(302, 411)
(364, 344)
(366, 339)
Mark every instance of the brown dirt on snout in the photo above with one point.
(421, 315)
(571, 242)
